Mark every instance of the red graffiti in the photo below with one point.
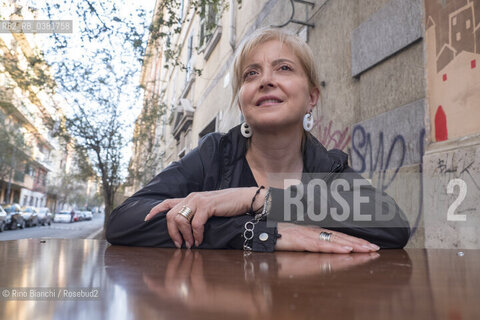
(441, 133)
(473, 64)
(331, 139)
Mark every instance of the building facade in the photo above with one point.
(400, 94)
(33, 161)
(25, 111)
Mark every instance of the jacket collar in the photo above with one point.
(316, 158)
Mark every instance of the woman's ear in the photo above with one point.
(314, 96)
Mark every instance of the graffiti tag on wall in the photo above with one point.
(453, 73)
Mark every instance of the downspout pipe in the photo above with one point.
(233, 17)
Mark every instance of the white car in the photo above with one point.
(3, 219)
(44, 216)
(62, 216)
(87, 215)
(30, 215)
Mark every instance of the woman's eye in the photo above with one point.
(285, 68)
(249, 74)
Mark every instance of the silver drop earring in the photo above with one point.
(246, 130)
(308, 121)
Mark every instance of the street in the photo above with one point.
(76, 230)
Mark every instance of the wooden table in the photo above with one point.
(154, 283)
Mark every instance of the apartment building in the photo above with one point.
(32, 160)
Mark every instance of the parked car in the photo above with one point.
(45, 216)
(14, 217)
(81, 215)
(84, 215)
(88, 215)
(3, 219)
(62, 216)
(77, 216)
(30, 214)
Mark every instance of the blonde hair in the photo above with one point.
(299, 47)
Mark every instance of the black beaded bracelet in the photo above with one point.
(248, 233)
(251, 212)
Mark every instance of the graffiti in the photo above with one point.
(456, 28)
(456, 168)
(467, 170)
(442, 167)
(371, 158)
(330, 138)
(452, 37)
(441, 133)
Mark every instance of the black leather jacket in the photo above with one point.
(217, 164)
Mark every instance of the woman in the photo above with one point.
(211, 197)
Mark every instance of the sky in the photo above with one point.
(130, 105)
(45, 42)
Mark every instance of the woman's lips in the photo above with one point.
(268, 101)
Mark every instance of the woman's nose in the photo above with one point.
(266, 84)
(267, 80)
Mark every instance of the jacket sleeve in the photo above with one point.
(126, 225)
(353, 207)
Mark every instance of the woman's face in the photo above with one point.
(275, 93)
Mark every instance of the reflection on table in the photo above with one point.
(203, 284)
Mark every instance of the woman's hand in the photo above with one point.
(307, 265)
(220, 203)
(185, 282)
(307, 238)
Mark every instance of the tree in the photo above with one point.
(145, 127)
(99, 83)
(13, 150)
(167, 23)
(71, 187)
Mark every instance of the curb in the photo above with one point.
(95, 233)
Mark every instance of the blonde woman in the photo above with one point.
(219, 196)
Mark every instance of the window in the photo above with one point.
(208, 23)
(43, 179)
(29, 170)
(189, 59)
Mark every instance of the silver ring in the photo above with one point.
(187, 213)
(325, 236)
